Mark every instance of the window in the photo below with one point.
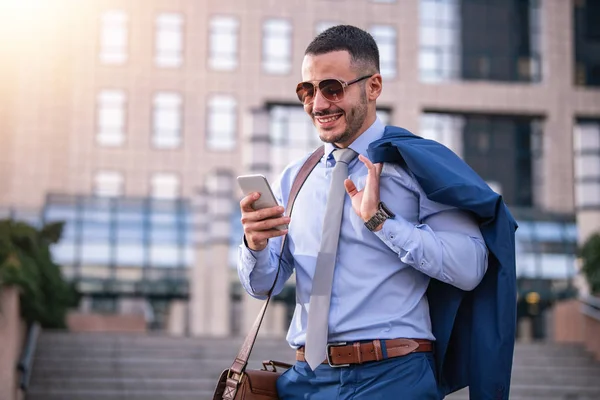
(322, 26)
(164, 186)
(384, 116)
(123, 232)
(169, 41)
(292, 135)
(167, 120)
(113, 37)
(586, 34)
(487, 141)
(108, 184)
(586, 144)
(111, 117)
(223, 46)
(497, 40)
(277, 46)
(440, 40)
(222, 122)
(446, 129)
(385, 36)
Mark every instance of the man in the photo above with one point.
(394, 240)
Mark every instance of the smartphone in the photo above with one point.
(258, 183)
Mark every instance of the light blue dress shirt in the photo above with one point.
(380, 278)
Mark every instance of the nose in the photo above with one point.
(320, 103)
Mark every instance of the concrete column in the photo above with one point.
(220, 204)
(176, 318)
(273, 324)
(200, 301)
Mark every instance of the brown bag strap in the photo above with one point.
(241, 361)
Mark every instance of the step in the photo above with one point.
(64, 394)
(464, 395)
(127, 384)
(518, 392)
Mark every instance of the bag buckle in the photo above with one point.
(230, 375)
(327, 350)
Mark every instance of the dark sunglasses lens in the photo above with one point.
(332, 89)
(305, 92)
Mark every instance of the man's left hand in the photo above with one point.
(366, 202)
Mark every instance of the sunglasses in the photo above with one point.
(333, 90)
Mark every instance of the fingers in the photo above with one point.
(260, 225)
(350, 187)
(265, 229)
(246, 202)
(373, 168)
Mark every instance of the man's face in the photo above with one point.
(336, 122)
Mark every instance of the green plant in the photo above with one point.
(26, 262)
(590, 254)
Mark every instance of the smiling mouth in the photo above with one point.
(329, 118)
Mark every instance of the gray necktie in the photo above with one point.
(318, 312)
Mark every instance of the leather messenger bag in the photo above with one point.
(238, 383)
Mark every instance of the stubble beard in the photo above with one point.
(354, 121)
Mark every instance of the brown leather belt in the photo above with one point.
(342, 354)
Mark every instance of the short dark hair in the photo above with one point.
(360, 44)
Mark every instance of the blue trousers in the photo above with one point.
(410, 377)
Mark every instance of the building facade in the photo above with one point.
(129, 120)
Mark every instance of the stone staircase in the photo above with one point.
(72, 366)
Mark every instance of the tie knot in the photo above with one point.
(344, 155)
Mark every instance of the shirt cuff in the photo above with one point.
(253, 256)
(395, 233)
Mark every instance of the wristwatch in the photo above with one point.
(381, 215)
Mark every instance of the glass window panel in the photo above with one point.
(587, 166)
(130, 254)
(384, 116)
(429, 35)
(165, 234)
(95, 253)
(164, 256)
(430, 60)
(167, 120)
(162, 218)
(60, 213)
(223, 43)
(111, 117)
(63, 252)
(164, 186)
(588, 194)
(385, 36)
(549, 231)
(587, 136)
(277, 43)
(169, 40)
(428, 10)
(222, 122)
(130, 232)
(113, 37)
(108, 184)
(96, 231)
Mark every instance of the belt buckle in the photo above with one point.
(327, 348)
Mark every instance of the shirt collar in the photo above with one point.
(360, 145)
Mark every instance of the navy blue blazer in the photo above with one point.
(475, 331)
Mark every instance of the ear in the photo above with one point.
(374, 87)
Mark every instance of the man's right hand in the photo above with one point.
(259, 225)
